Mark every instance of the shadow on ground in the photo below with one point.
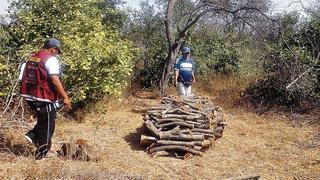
(133, 139)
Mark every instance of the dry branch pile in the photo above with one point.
(182, 127)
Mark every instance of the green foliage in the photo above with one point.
(146, 29)
(112, 16)
(285, 60)
(7, 64)
(99, 60)
(215, 53)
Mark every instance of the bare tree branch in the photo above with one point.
(316, 15)
(304, 73)
(169, 22)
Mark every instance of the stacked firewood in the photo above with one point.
(182, 127)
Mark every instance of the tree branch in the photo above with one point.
(169, 22)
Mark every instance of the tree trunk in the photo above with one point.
(173, 48)
(170, 60)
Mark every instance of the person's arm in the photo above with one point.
(23, 66)
(193, 69)
(176, 77)
(193, 77)
(53, 68)
(59, 88)
(176, 72)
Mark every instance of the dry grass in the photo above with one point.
(225, 91)
(264, 145)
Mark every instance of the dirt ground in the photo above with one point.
(269, 146)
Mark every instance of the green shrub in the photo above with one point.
(214, 53)
(285, 61)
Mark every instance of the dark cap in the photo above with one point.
(185, 50)
(52, 42)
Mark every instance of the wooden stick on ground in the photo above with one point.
(181, 137)
(151, 127)
(147, 140)
(190, 126)
(203, 144)
(188, 117)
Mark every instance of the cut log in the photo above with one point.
(207, 131)
(187, 117)
(146, 117)
(182, 143)
(154, 113)
(151, 127)
(161, 154)
(198, 148)
(178, 111)
(193, 122)
(205, 135)
(203, 144)
(147, 140)
(174, 131)
(205, 114)
(165, 111)
(203, 126)
(193, 106)
(175, 147)
(180, 137)
(203, 121)
(159, 107)
(182, 124)
(212, 109)
(160, 121)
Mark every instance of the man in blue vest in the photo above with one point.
(184, 73)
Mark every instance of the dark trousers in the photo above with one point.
(44, 128)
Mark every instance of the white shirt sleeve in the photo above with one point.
(23, 65)
(53, 66)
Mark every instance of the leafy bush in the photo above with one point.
(215, 53)
(8, 66)
(146, 30)
(292, 55)
(272, 91)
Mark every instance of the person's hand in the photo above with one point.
(175, 83)
(194, 81)
(67, 103)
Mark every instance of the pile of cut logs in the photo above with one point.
(182, 127)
